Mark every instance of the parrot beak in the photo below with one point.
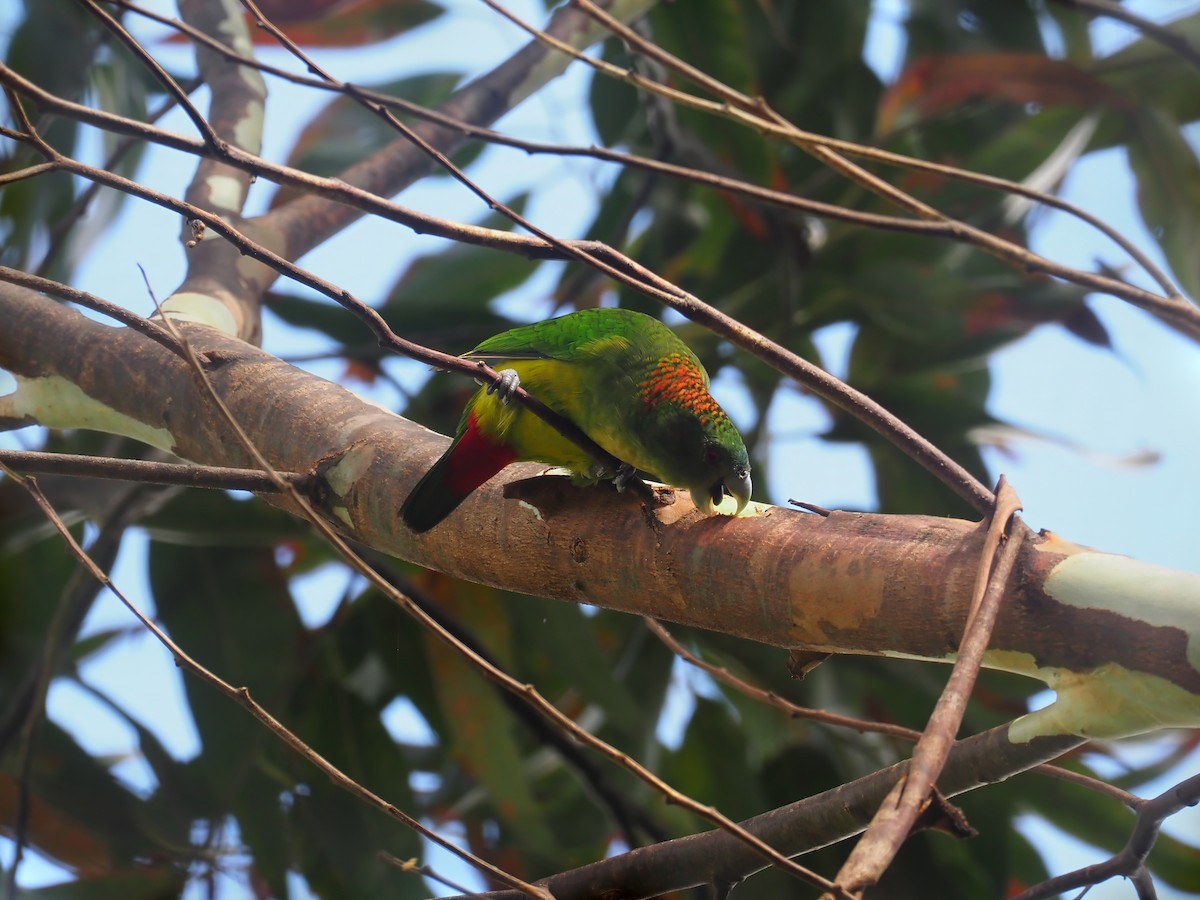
(739, 487)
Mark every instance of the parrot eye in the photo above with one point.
(711, 455)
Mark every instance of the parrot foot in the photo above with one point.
(624, 477)
(506, 387)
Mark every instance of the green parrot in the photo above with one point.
(625, 379)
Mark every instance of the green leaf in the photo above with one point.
(443, 299)
(345, 130)
(480, 727)
(1168, 192)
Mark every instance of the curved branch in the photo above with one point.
(1176, 43)
(1130, 862)
(805, 825)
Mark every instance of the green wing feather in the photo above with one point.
(584, 333)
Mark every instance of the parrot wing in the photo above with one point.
(570, 338)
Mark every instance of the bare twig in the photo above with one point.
(62, 227)
(415, 867)
(770, 697)
(1130, 862)
(26, 173)
(865, 726)
(626, 814)
(897, 814)
(1176, 43)
(150, 329)
(160, 74)
(145, 471)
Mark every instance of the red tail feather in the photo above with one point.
(472, 459)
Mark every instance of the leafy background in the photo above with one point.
(146, 784)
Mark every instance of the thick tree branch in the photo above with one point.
(842, 583)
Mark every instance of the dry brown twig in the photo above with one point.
(146, 471)
(1130, 861)
(896, 816)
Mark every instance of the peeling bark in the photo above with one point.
(845, 583)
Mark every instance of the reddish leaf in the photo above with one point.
(54, 832)
(934, 84)
(338, 23)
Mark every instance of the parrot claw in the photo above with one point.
(624, 477)
(506, 387)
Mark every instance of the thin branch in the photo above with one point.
(160, 74)
(626, 815)
(62, 227)
(1130, 862)
(146, 471)
(414, 867)
(863, 726)
(152, 330)
(771, 698)
(897, 815)
(26, 173)
(1176, 43)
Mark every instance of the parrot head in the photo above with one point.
(724, 469)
